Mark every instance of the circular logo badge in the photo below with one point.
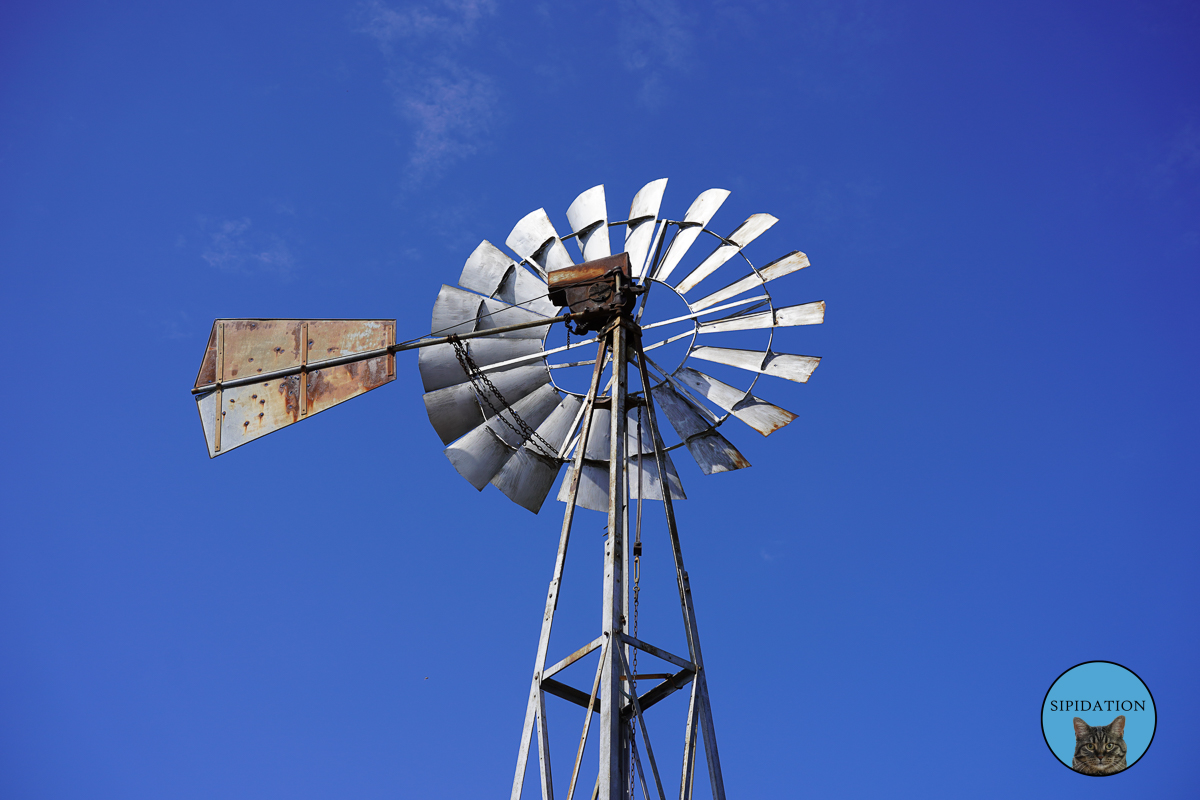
(1098, 718)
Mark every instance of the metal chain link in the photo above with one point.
(637, 579)
(522, 428)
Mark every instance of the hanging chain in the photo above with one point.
(637, 578)
(484, 386)
(632, 759)
(637, 541)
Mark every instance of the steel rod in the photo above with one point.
(637, 712)
(571, 659)
(381, 351)
(587, 720)
(658, 652)
(544, 748)
(689, 747)
(672, 684)
(641, 773)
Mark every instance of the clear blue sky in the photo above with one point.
(993, 477)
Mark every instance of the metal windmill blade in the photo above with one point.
(516, 410)
(695, 404)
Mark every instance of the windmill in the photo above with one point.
(499, 396)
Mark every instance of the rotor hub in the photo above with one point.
(602, 288)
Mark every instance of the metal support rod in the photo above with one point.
(699, 689)
(218, 422)
(544, 748)
(612, 730)
(689, 747)
(637, 712)
(384, 351)
(304, 341)
(637, 760)
(535, 689)
(587, 720)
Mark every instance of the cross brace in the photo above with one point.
(612, 700)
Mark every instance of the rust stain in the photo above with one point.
(275, 344)
(588, 271)
(316, 389)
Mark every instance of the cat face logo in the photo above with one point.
(1099, 750)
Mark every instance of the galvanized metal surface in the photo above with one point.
(490, 272)
(639, 231)
(458, 311)
(593, 486)
(698, 215)
(760, 415)
(588, 216)
(440, 368)
(712, 451)
(455, 410)
(500, 318)
(657, 652)
(784, 265)
(528, 476)
(536, 242)
(481, 454)
(590, 647)
(745, 233)
(806, 314)
(781, 365)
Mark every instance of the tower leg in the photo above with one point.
(535, 709)
(616, 731)
(612, 731)
(703, 709)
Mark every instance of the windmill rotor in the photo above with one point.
(511, 408)
(495, 285)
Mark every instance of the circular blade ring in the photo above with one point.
(508, 288)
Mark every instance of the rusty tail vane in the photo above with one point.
(260, 375)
